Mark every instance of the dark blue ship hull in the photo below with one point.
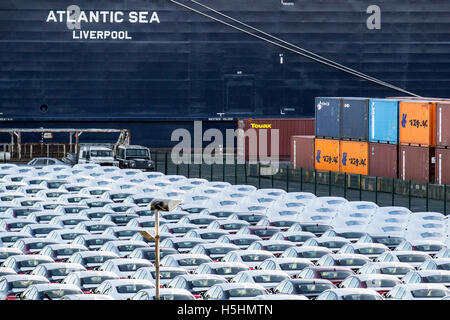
(183, 67)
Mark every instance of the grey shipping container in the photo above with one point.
(328, 114)
(383, 160)
(443, 166)
(443, 124)
(416, 163)
(302, 152)
(355, 119)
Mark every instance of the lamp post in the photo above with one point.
(158, 205)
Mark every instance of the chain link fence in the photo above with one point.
(416, 196)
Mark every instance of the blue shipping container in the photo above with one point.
(355, 118)
(383, 121)
(328, 113)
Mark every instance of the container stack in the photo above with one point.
(392, 138)
(417, 140)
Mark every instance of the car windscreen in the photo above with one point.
(381, 283)
(278, 247)
(436, 278)
(265, 232)
(245, 292)
(289, 266)
(243, 241)
(388, 240)
(202, 283)
(210, 235)
(173, 296)
(298, 238)
(312, 288)
(312, 254)
(168, 274)
(30, 263)
(268, 278)
(228, 270)
(186, 262)
(97, 259)
(55, 184)
(315, 228)
(395, 270)
(429, 293)
(132, 288)
(128, 247)
(59, 272)
(121, 219)
(219, 250)
(232, 226)
(428, 247)
(96, 242)
(140, 153)
(66, 251)
(361, 297)
(370, 250)
(350, 262)
(131, 266)
(59, 293)
(94, 279)
(334, 274)
(23, 284)
(255, 257)
(38, 245)
(101, 153)
(185, 244)
(44, 230)
(411, 258)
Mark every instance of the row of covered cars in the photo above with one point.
(74, 233)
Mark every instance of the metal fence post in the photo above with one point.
(165, 163)
(345, 185)
(212, 169)
(223, 168)
(156, 160)
(360, 187)
(177, 169)
(188, 168)
(287, 179)
(409, 194)
(235, 171)
(445, 199)
(271, 178)
(329, 183)
(376, 190)
(426, 203)
(200, 169)
(315, 182)
(259, 175)
(393, 191)
(245, 171)
(301, 179)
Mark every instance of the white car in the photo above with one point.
(122, 289)
(124, 268)
(234, 291)
(164, 294)
(186, 261)
(418, 291)
(88, 280)
(269, 279)
(349, 294)
(251, 258)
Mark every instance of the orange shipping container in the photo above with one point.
(327, 155)
(417, 123)
(354, 157)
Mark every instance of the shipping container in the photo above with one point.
(263, 130)
(302, 152)
(443, 124)
(417, 123)
(383, 160)
(416, 163)
(383, 121)
(354, 157)
(326, 155)
(355, 119)
(328, 114)
(443, 166)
